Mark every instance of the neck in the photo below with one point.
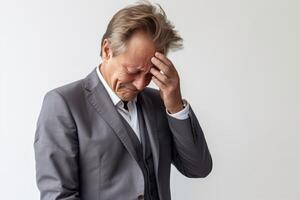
(102, 69)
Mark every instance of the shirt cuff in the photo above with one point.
(183, 114)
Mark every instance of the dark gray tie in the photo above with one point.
(125, 105)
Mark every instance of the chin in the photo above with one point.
(127, 97)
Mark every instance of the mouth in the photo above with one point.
(129, 88)
(132, 90)
(127, 94)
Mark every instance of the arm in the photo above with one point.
(191, 155)
(56, 150)
(190, 152)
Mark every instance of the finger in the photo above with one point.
(158, 83)
(161, 77)
(163, 58)
(160, 65)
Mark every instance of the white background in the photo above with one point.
(239, 71)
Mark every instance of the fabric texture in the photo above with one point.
(83, 150)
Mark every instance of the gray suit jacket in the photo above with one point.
(82, 150)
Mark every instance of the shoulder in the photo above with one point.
(69, 90)
(73, 90)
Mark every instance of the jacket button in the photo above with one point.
(141, 197)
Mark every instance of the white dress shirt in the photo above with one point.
(131, 115)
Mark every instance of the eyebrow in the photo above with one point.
(137, 69)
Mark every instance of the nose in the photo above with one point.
(140, 83)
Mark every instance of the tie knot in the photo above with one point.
(125, 105)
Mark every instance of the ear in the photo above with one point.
(106, 51)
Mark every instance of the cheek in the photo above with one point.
(126, 78)
(123, 78)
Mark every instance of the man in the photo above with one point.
(107, 136)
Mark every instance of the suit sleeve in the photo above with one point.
(191, 155)
(56, 150)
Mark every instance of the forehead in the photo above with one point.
(139, 50)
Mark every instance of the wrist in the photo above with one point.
(177, 108)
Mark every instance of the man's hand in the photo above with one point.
(166, 78)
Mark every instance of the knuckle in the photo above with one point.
(165, 79)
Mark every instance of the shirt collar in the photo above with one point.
(115, 99)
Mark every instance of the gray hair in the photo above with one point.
(146, 17)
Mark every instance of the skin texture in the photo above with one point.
(131, 71)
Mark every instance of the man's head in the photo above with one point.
(132, 37)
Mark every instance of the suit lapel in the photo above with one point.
(151, 125)
(100, 100)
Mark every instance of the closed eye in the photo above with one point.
(134, 73)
